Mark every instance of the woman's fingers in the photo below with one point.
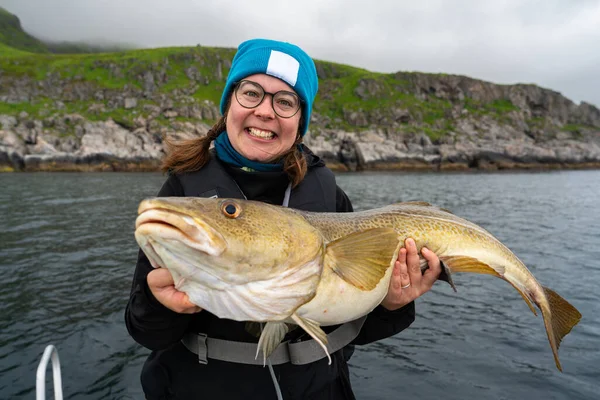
(434, 270)
(413, 263)
(408, 282)
(402, 279)
(160, 278)
(161, 284)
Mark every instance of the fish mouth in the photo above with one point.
(160, 227)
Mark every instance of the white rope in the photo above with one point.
(272, 371)
(275, 382)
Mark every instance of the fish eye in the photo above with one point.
(230, 209)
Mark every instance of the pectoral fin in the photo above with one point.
(314, 330)
(271, 336)
(362, 258)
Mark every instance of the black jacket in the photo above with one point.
(173, 372)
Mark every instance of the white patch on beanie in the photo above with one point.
(283, 66)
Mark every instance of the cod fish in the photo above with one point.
(251, 261)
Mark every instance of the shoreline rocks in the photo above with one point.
(107, 146)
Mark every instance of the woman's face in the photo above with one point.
(259, 134)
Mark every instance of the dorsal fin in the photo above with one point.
(422, 204)
(413, 203)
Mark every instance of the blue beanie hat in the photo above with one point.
(279, 59)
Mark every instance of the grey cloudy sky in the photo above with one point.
(552, 43)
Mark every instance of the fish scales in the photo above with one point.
(250, 261)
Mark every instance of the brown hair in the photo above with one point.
(192, 154)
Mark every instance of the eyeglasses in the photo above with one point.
(250, 95)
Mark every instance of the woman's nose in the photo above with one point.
(265, 108)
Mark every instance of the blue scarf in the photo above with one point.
(229, 155)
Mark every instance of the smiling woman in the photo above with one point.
(252, 128)
(253, 133)
(258, 155)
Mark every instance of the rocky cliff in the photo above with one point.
(113, 111)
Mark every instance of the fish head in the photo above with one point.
(242, 260)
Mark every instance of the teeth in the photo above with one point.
(261, 134)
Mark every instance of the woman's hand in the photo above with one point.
(407, 281)
(162, 286)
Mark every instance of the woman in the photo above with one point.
(258, 155)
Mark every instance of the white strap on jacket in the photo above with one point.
(297, 353)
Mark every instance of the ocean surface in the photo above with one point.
(67, 255)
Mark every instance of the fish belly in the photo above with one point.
(338, 302)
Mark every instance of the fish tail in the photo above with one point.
(559, 315)
(559, 318)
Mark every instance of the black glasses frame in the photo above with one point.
(265, 93)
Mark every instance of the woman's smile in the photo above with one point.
(261, 134)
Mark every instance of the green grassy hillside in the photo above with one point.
(190, 78)
(12, 35)
(345, 92)
(7, 51)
